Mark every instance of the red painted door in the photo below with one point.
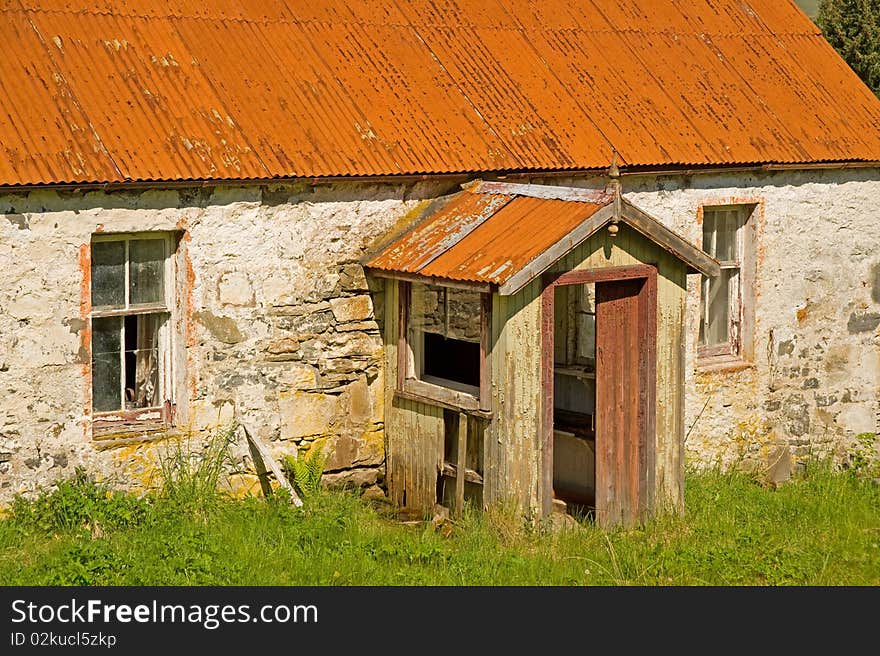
(620, 434)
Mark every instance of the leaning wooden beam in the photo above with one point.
(268, 459)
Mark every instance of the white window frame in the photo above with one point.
(733, 348)
(158, 414)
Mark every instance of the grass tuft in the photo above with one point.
(822, 528)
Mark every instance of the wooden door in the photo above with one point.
(621, 433)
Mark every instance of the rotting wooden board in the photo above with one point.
(268, 459)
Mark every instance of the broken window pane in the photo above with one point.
(452, 313)
(108, 274)
(106, 364)
(142, 361)
(146, 272)
(445, 333)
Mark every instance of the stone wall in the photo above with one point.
(280, 328)
(278, 325)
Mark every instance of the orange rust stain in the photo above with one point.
(85, 335)
(188, 315)
(802, 314)
(220, 90)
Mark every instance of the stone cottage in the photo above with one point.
(189, 194)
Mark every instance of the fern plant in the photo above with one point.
(305, 473)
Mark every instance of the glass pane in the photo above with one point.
(719, 234)
(715, 308)
(106, 364)
(147, 271)
(142, 361)
(108, 274)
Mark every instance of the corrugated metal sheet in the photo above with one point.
(483, 237)
(106, 91)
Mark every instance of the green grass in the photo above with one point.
(823, 529)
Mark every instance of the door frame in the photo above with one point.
(647, 328)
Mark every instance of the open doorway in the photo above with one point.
(599, 355)
(574, 399)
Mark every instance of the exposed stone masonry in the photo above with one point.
(280, 328)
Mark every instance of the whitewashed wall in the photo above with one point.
(282, 326)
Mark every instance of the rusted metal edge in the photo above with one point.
(470, 285)
(417, 219)
(471, 223)
(502, 174)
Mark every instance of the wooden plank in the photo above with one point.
(429, 401)
(618, 381)
(441, 396)
(482, 287)
(461, 462)
(671, 344)
(494, 443)
(404, 297)
(547, 391)
(485, 352)
(585, 276)
(647, 363)
(470, 475)
(267, 458)
(651, 228)
(549, 192)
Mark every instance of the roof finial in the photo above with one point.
(613, 189)
(613, 171)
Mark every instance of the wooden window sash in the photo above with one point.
(733, 346)
(165, 337)
(410, 361)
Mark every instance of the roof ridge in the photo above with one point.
(130, 13)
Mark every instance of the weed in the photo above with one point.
(191, 474)
(863, 459)
(78, 503)
(305, 472)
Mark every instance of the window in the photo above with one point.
(131, 282)
(445, 343)
(722, 312)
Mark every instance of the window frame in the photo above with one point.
(411, 381)
(736, 350)
(156, 416)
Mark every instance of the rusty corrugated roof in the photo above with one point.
(110, 91)
(486, 236)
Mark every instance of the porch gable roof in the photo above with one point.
(505, 235)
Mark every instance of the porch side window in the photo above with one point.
(131, 283)
(445, 333)
(721, 298)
